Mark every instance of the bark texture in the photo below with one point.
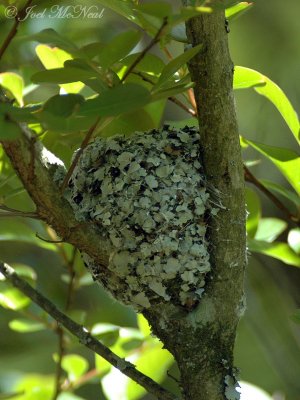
(203, 340)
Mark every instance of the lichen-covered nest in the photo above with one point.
(149, 195)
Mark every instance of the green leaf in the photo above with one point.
(150, 63)
(278, 250)
(53, 58)
(75, 366)
(66, 125)
(159, 9)
(35, 387)
(269, 229)
(238, 9)
(68, 396)
(124, 8)
(144, 326)
(12, 298)
(254, 212)
(118, 48)
(288, 194)
(26, 325)
(131, 122)
(116, 101)
(63, 105)
(106, 333)
(173, 66)
(287, 161)
(294, 240)
(50, 36)
(167, 92)
(246, 77)
(14, 83)
(61, 75)
(154, 362)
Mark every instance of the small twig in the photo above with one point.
(93, 373)
(59, 370)
(78, 154)
(249, 177)
(83, 145)
(171, 98)
(11, 212)
(12, 33)
(146, 49)
(59, 330)
(70, 266)
(84, 336)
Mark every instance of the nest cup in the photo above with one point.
(149, 196)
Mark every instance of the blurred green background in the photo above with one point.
(268, 344)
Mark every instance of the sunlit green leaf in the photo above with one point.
(143, 324)
(25, 271)
(26, 325)
(35, 387)
(173, 66)
(246, 77)
(53, 58)
(118, 100)
(238, 9)
(12, 298)
(106, 333)
(118, 48)
(269, 229)
(14, 83)
(50, 36)
(287, 161)
(278, 250)
(69, 396)
(294, 240)
(254, 212)
(75, 366)
(152, 362)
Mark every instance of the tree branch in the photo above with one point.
(84, 336)
(36, 167)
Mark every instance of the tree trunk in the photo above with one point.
(202, 340)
